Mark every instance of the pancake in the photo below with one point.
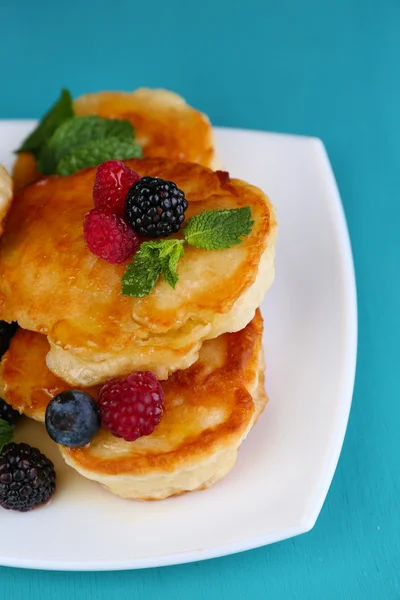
(52, 284)
(25, 380)
(6, 195)
(209, 410)
(165, 126)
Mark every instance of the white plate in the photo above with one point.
(285, 467)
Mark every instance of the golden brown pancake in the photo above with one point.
(51, 283)
(165, 126)
(209, 409)
(25, 379)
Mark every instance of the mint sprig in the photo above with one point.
(211, 230)
(6, 433)
(77, 132)
(64, 143)
(96, 152)
(153, 258)
(58, 113)
(170, 254)
(218, 229)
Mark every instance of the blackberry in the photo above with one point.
(7, 330)
(155, 207)
(27, 477)
(7, 413)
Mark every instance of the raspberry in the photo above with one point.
(155, 207)
(132, 407)
(27, 477)
(112, 183)
(109, 236)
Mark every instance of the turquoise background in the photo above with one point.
(329, 69)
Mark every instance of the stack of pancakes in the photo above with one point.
(203, 340)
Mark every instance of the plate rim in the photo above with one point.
(308, 521)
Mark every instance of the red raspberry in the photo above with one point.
(112, 183)
(132, 407)
(108, 236)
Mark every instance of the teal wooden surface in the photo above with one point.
(330, 69)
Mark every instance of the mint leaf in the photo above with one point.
(218, 229)
(6, 433)
(170, 253)
(153, 258)
(79, 131)
(97, 151)
(58, 113)
(64, 143)
(211, 230)
(45, 161)
(142, 273)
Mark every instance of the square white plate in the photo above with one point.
(285, 467)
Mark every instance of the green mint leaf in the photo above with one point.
(6, 433)
(45, 161)
(58, 113)
(97, 151)
(142, 273)
(153, 258)
(79, 131)
(218, 229)
(170, 254)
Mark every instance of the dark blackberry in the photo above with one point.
(7, 413)
(7, 330)
(155, 207)
(27, 477)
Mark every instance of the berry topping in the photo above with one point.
(7, 413)
(27, 477)
(132, 407)
(112, 183)
(108, 236)
(155, 207)
(72, 418)
(7, 330)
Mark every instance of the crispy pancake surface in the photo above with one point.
(209, 409)
(165, 126)
(51, 283)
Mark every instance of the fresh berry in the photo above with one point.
(7, 330)
(132, 407)
(7, 413)
(108, 236)
(72, 418)
(27, 477)
(155, 207)
(112, 183)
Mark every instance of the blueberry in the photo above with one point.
(7, 330)
(72, 418)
